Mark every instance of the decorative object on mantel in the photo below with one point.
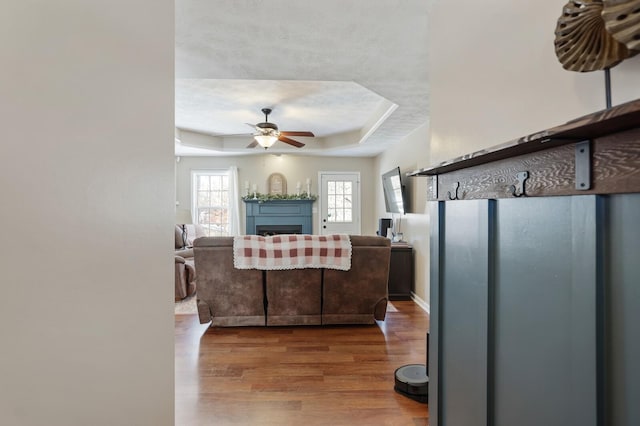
(592, 35)
(622, 20)
(582, 42)
(274, 197)
(277, 184)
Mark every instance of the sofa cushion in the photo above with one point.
(227, 296)
(294, 297)
(179, 243)
(193, 232)
(358, 296)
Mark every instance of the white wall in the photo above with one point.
(295, 168)
(410, 154)
(86, 104)
(494, 75)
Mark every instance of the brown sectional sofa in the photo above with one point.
(233, 297)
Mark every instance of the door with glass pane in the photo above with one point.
(339, 203)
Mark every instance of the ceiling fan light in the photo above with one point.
(266, 141)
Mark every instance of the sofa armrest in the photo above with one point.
(191, 271)
(185, 276)
(181, 278)
(185, 253)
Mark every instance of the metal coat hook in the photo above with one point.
(519, 191)
(455, 192)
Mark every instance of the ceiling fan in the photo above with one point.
(267, 133)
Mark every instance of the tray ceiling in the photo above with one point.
(354, 73)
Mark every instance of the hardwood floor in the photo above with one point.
(333, 375)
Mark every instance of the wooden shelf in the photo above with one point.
(549, 157)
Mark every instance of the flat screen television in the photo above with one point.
(395, 198)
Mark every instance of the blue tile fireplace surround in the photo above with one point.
(272, 217)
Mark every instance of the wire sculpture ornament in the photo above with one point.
(582, 41)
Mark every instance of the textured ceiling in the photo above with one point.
(352, 72)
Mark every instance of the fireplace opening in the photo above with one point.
(267, 230)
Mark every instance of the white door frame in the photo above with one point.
(357, 211)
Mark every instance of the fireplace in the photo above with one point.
(278, 217)
(266, 230)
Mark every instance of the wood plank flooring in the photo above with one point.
(316, 375)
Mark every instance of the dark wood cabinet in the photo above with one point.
(401, 272)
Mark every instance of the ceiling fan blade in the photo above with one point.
(290, 141)
(288, 133)
(253, 144)
(253, 126)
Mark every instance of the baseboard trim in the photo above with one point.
(424, 305)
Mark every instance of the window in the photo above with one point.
(340, 194)
(211, 201)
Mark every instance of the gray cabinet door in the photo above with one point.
(622, 320)
(544, 312)
(459, 291)
(514, 313)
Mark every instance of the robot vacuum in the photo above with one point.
(412, 381)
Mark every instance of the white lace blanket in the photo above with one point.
(292, 252)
